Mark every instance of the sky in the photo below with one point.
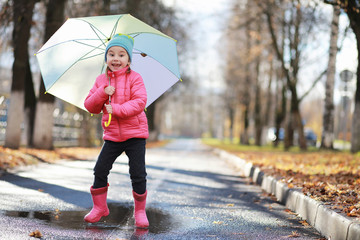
(205, 22)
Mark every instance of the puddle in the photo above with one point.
(120, 217)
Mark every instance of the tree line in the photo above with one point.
(39, 19)
(269, 44)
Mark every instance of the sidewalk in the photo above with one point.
(329, 223)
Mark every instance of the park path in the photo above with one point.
(192, 194)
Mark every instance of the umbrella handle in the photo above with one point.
(108, 122)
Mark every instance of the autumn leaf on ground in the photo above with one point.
(304, 223)
(36, 234)
(218, 222)
(240, 233)
(327, 176)
(290, 212)
(337, 207)
(294, 234)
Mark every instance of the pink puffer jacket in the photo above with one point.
(128, 102)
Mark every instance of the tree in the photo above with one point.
(45, 106)
(294, 119)
(22, 19)
(300, 19)
(352, 9)
(327, 138)
(234, 68)
(247, 71)
(257, 108)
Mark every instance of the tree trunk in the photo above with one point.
(280, 110)
(45, 107)
(150, 114)
(269, 95)
(257, 110)
(327, 138)
(30, 106)
(244, 136)
(22, 16)
(280, 115)
(297, 119)
(355, 132)
(354, 18)
(231, 112)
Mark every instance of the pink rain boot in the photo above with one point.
(100, 208)
(141, 220)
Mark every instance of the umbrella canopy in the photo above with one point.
(74, 56)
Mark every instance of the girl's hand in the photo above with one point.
(109, 90)
(109, 108)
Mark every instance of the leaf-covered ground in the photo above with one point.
(328, 176)
(10, 158)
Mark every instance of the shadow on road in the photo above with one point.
(65, 194)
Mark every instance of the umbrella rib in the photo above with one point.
(115, 26)
(72, 40)
(95, 29)
(84, 58)
(95, 47)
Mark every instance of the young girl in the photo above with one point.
(127, 131)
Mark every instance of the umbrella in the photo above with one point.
(73, 57)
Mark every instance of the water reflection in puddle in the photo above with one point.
(121, 217)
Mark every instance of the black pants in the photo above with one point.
(135, 150)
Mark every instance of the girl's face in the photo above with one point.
(117, 58)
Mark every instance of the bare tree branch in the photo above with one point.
(313, 85)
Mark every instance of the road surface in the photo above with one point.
(192, 194)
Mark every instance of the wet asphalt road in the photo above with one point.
(192, 194)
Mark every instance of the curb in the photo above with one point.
(329, 223)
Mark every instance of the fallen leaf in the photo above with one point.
(36, 234)
(240, 233)
(304, 223)
(230, 205)
(293, 234)
(218, 222)
(290, 212)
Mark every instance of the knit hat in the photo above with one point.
(121, 40)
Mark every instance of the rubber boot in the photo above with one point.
(100, 208)
(141, 220)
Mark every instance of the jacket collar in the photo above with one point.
(117, 73)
